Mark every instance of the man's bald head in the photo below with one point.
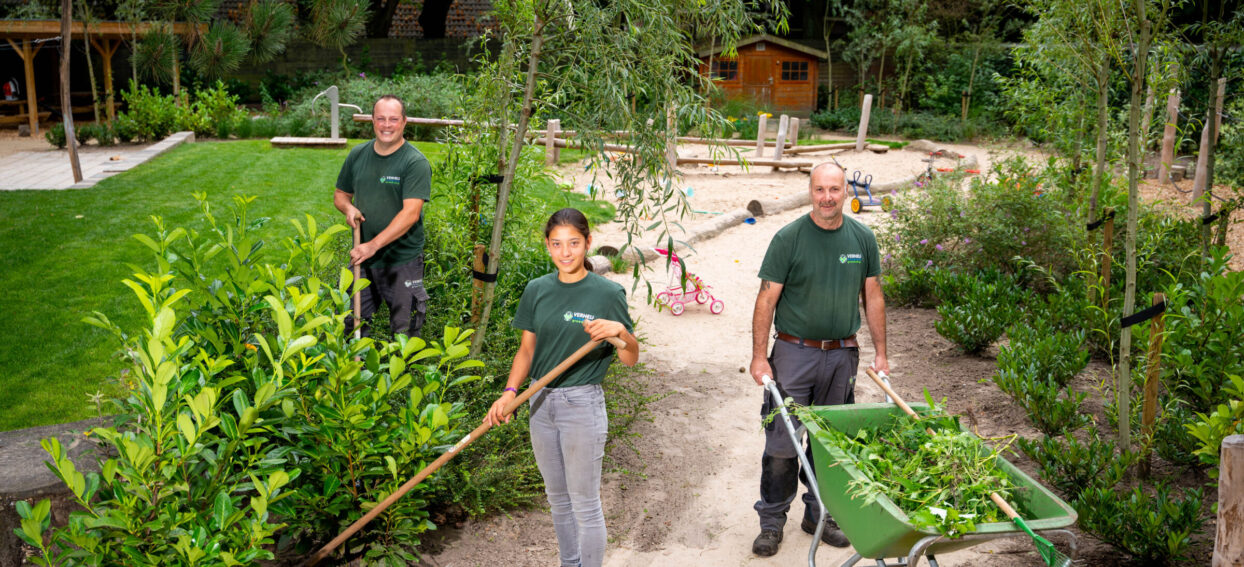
(827, 168)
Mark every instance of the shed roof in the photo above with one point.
(37, 29)
(705, 51)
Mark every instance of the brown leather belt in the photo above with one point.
(830, 344)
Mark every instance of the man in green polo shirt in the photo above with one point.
(815, 272)
(382, 187)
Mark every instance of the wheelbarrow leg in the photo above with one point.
(932, 560)
(771, 387)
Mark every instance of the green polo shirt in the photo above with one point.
(822, 273)
(379, 185)
(555, 311)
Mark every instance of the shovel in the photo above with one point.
(453, 451)
(1049, 553)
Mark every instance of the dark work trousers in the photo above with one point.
(401, 288)
(810, 376)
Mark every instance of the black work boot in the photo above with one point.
(767, 543)
(831, 535)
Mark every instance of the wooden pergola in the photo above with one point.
(106, 37)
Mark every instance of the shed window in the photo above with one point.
(794, 70)
(726, 70)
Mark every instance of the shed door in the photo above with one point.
(758, 78)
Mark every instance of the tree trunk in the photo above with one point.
(1103, 123)
(1168, 136)
(382, 18)
(976, 55)
(66, 17)
(90, 66)
(503, 193)
(827, 29)
(1146, 120)
(1211, 125)
(902, 92)
(1134, 166)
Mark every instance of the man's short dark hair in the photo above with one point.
(400, 104)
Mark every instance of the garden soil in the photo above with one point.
(684, 494)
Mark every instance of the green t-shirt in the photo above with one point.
(555, 312)
(822, 273)
(379, 185)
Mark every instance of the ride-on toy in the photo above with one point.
(684, 286)
(858, 203)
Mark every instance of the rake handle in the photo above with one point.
(453, 451)
(358, 299)
(1002, 505)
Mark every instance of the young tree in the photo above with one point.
(1217, 36)
(602, 67)
(337, 24)
(914, 37)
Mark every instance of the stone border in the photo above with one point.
(737, 216)
(138, 158)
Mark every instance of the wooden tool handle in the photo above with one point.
(358, 298)
(1002, 505)
(453, 451)
(898, 401)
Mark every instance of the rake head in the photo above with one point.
(1050, 554)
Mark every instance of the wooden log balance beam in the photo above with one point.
(681, 160)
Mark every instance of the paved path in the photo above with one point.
(51, 169)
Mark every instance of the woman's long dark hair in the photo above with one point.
(573, 218)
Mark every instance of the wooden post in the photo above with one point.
(671, 145)
(477, 286)
(1168, 136)
(1152, 375)
(783, 127)
(865, 109)
(66, 105)
(1106, 258)
(1222, 93)
(28, 59)
(1202, 158)
(551, 151)
(1229, 541)
(794, 132)
(762, 128)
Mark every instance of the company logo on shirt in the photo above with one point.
(851, 259)
(391, 179)
(576, 317)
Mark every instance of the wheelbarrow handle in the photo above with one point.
(453, 451)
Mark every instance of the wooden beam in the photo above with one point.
(1229, 540)
(107, 48)
(776, 163)
(34, 29)
(28, 60)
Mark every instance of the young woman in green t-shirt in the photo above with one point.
(558, 313)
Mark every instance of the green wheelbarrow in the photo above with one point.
(880, 530)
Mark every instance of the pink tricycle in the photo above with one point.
(685, 286)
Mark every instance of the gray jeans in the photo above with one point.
(810, 376)
(568, 430)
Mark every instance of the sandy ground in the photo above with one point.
(11, 143)
(688, 499)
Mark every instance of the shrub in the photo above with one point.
(1156, 530)
(1049, 412)
(105, 134)
(155, 116)
(84, 133)
(977, 318)
(1204, 334)
(125, 128)
(56, 135)
(1173, 437)
(1038, 351)
(1073, 467)
(249, 413)
(1211, 428)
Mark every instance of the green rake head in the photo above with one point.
(1050, 554)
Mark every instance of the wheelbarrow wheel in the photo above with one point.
(716, 307)
(856, 204)
(677, 308)
(887, 203)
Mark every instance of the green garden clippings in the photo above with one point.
(940, 481)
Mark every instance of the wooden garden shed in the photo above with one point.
(777, 74)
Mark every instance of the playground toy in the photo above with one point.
(685, 286)
(858, 203)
